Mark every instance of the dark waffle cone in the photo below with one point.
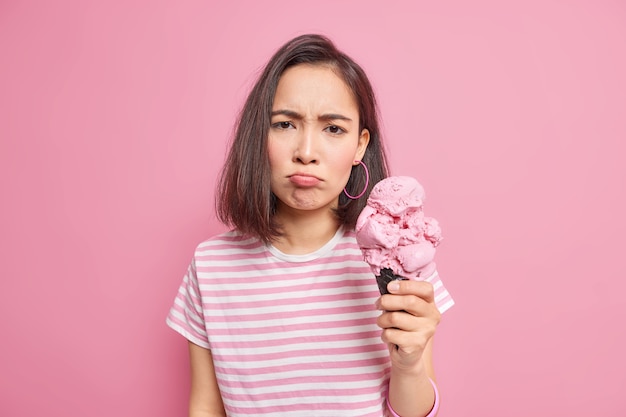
(386, 276)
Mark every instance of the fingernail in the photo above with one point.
(393, 286)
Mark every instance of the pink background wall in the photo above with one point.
(113, 121)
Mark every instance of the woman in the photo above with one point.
(282, 315)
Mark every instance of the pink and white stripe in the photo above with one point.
(289, 334)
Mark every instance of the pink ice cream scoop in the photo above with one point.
(397, 240)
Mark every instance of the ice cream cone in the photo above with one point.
(386, 276)
(397, 240)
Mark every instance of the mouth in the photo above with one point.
(304, 180)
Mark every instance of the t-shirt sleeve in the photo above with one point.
(186, 315)
(443, 299)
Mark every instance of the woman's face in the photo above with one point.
(314, 138)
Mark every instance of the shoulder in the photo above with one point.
(228, 242)
(348, 238)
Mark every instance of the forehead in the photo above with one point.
(321, 84)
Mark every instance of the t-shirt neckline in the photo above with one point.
(307, 257)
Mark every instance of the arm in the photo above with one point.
(409, 320)
(205, 399)
(412, 391)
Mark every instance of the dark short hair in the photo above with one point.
(244, 198)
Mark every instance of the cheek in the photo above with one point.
(344, 156)
(342, 164)
(275, 153)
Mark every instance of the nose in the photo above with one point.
(306, 147)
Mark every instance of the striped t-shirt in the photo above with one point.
(290, 335)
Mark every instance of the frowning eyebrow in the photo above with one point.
(324, 117)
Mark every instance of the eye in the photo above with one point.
(335, 130)
(282, 125)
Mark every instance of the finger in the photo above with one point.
(400, 320)
(405, 342)
(422, 289)
(410, 303)
(406, 322)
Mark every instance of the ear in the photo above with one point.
(364, 140)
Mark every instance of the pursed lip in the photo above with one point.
(303, 179)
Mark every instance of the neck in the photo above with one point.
(305, 234)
